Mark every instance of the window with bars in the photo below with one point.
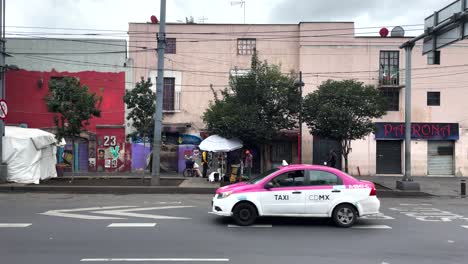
(389, 68)
(170, 46)
(169, 94)
(393, 99)
(433, 98)
(246, 46)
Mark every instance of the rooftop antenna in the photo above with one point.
(202, 19)
(241, 3)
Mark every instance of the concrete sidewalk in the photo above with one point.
(436, 186)
(175, 183)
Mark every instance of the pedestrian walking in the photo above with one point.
(205, 163)
(248, 163)
(332, 157)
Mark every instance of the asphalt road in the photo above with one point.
(411, 231)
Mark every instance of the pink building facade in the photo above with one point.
(200, 55)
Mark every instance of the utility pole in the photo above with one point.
(3, 166)
(408, 51)
(161, 36)
(407, 182)
(300, 118)
(299, 140)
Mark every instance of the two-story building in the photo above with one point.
(101, 65)
(201, 56)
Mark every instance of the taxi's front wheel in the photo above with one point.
(244, 214)
(344, 215)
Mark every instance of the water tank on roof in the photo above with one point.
(398, 32)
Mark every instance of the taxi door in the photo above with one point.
(283, 195)
(322, 189)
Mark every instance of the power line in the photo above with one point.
(213, 33)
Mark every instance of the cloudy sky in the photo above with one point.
(115, 14)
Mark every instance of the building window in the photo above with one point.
(170, 46)
(433, 98)
(389, 68)
(169, 94)
(246, 46)
(393, 99)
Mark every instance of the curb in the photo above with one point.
(160, 190)
(107, 189)
(403, 194)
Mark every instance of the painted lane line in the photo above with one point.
(464, 226)
(251, 226)
(377, 217)
(71, 212)
(155, 260)
(128, 212)
(372, 227)
(14, 225)
(132, 225)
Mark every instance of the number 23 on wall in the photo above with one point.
(110, 141)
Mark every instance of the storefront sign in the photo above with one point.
(427, 131)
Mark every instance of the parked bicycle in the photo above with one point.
(189, 170)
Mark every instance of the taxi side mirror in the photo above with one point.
(269, 185)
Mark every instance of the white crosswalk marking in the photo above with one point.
(132, 225)
(464, 226)
(12, 225)
(372, 227)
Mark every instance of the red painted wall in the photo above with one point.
(26, 100)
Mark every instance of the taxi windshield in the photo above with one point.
(262, 176)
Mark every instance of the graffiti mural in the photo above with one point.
(116, 158)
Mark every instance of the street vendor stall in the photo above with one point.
(30, 154)
(221, 145)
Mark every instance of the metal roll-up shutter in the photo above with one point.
(440, 158)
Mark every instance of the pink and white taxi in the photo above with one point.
(298, 191)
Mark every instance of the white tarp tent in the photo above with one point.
(30, 154)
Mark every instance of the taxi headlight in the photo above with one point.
(224, 195)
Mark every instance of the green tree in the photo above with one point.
(256, 106)
(73, 105)
(141, 102)
(343, 111)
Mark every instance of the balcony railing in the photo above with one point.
(389, 80)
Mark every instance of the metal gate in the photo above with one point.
(389, 157)
(440, 158)
(321, 151)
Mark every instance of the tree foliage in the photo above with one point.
(141, 103)
(344, 111)
(73, 104)
(256, 106)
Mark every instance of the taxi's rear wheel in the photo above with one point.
(244, 214)
(344, 215)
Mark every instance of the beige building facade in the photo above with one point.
(200, 57)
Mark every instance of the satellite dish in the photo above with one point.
(398, 32)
